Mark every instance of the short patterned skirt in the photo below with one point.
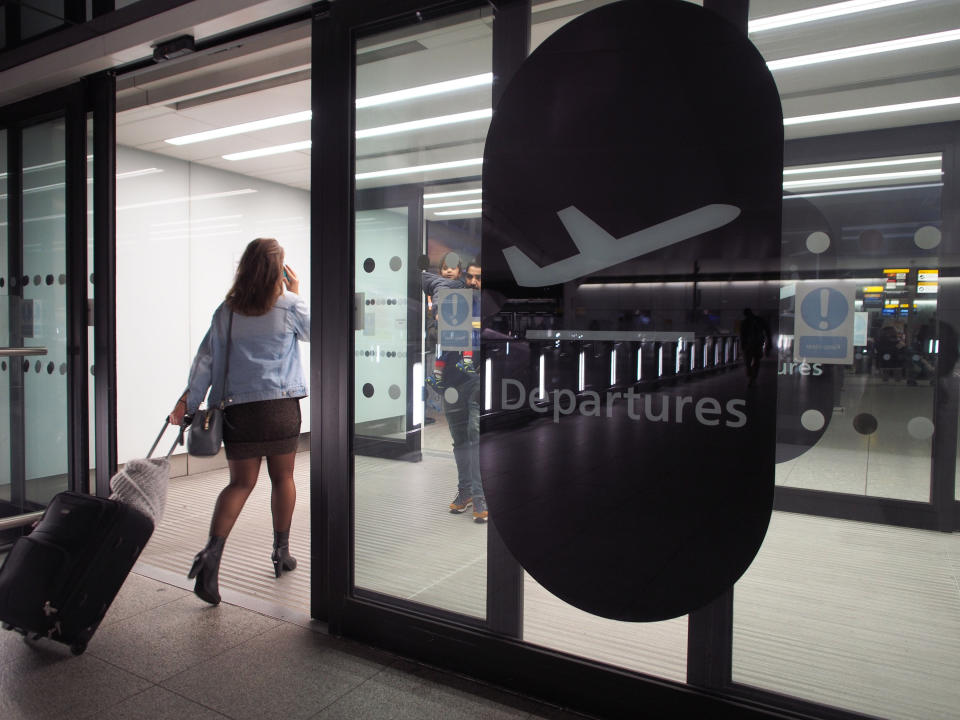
(265, 427)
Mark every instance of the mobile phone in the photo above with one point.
(285, 276)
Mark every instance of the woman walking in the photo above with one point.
(262, 319)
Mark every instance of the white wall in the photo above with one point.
(181, 229)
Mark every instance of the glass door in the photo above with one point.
(869, 423)
(423, 107)
(43, 335)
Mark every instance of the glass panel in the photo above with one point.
(861, 616)
(39, 16)
(877, 222)
(417, 550)
(655, 648)
(44, 311)
(862, 428)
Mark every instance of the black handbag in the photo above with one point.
(206, 428)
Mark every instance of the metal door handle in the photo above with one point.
(22, 351)
(15, 521)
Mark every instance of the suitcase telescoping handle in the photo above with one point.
(177, 441)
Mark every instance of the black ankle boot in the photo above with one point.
(206, 569)
(282, 559)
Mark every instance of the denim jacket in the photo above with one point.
(264, 356)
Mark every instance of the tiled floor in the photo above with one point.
(161, 653)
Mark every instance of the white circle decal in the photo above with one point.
(920, 428)
(451, 395)
(818, 242)
(927, 237)
(812, 420)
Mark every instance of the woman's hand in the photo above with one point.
(290, 280)
(179, 410)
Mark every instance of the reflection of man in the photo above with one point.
(754, 336)
(459, 386)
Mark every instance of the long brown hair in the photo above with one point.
(257, 284)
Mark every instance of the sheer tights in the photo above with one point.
(243, 478)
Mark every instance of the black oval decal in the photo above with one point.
(641, 142)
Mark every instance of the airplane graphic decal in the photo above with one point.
(600, 250)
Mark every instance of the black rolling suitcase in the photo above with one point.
(58, 581)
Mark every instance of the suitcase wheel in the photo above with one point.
(78, 647)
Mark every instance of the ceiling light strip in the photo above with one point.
(272, 150)
(863, 50)
(370, 101)
(475, 211)
(878, 110)
(823, 12)
(453, 193)
(425, 90)
(264, 124)
(862, 165)
(425, 123)
(873, 177)
(136, 173)
(453, 203)
(371, 132)
(854, 191)
(419, 169)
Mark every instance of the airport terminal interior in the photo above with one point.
(851, 607)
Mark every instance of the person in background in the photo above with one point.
(261, 396)
(754, 339)
(459, 385)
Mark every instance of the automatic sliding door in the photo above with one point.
(35, 450)
(422, 116)
(43, 305)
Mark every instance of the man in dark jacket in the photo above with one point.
(457, 381)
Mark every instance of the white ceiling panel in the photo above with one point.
(273, 102)
(157, 128)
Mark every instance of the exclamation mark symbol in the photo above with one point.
(824, 308)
